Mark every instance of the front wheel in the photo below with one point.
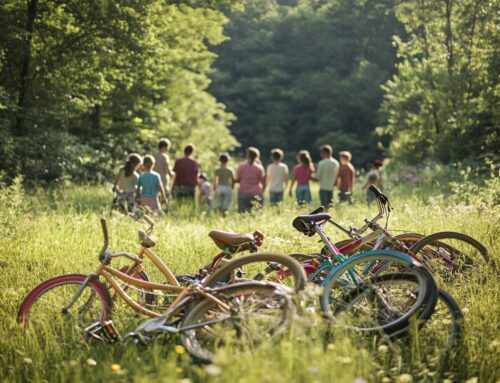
(44, 310)
(257, 313)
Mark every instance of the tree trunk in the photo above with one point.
(96, 118)
(25, 69)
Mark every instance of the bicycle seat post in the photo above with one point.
(333, 249)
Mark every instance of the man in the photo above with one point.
(326, 174)
(162, 164)
(186, 171)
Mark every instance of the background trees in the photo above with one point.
(84, 83)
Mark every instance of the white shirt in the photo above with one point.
(277, 177)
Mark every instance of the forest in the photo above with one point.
(82, 84)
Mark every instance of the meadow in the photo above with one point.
(50, 232)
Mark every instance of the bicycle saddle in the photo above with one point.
(303, 223)
(223, 238)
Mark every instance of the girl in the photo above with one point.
(373, 178)
(302, 174)
(126, 182)
(251, 176)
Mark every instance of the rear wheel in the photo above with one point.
(451, 255)
(277, 268)
(44, 312)
(257, 313)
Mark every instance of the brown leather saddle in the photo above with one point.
(225, 239)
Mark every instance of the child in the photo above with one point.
(302, 174)
(150, 185)
(126, 182)
(204, 185)
(373, 178)
(277, 177)
(223, 184)
(345, 177)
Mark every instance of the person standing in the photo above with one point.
(126, 184)
(326, 174)
(186, 171)
(302, 174)
(251, 177)
(345, 177)
(149, 186)
(223, 184)
(205, 197)
(277, 177)
(162, 164)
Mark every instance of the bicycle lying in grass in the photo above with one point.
(205, 317)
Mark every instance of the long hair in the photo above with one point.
(304, 158)
(253, 154)
(133, 160)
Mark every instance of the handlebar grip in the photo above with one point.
(320, 209)
(148, 220)
(105, 230)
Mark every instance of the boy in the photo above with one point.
(223, 184)
(205, 199)
(345, 177)
(162, 163)
(277, 177)
(186, 171)
(326, 174)
(150, 185)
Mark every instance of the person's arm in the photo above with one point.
(162, 193)
(317, 177)
(170, 172)
(172, 184)
(138, 191)
(231, 180)
(117, 179)
(263, 178)
(290, 192)
(287, 175)
(353, 178)
(216, 182)
(238, 176)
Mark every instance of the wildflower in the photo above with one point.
(91, 362)
(115, 367)
(405, 378)
(180, 349)
(314, 370)
(213, 370)
(383, 348)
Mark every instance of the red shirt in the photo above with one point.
(251, 178)
(302, 174)
(346, 175)
(186, 172)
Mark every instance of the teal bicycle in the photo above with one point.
(385, 300)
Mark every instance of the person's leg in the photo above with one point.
(272, 198)
(307, 194)
(244, 202)
(325, 197)
(279, 197)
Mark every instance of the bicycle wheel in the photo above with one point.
(43, 310)
(374, 308)
(403, 242)
(257, 313)
(449, 254)
(278, 268)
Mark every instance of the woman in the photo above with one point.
(302, 174)
(251, 177)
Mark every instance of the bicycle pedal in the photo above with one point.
(103, 331)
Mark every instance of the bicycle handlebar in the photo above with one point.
(106, 235)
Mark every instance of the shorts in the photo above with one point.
(151, 202)
(126, 198)
(275, 196)
(303, 194)
(223, 197)
(246, 201)
(184, 192)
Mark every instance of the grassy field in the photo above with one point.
(52, 233)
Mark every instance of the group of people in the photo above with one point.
(159, 182)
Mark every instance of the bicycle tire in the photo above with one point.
(435, 245)
(97, 292)
(270, 299)
(231, 269)
(424, 303)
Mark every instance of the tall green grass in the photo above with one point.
(55, 232)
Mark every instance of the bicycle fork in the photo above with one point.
(65, 309)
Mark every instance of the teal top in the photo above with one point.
(149, 183)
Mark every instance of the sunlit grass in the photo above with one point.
(57, 233)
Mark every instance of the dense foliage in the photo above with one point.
(443, 103)
(302, 73)
(85, 82)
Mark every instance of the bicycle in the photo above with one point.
(69, 303)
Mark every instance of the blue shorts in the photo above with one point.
(303, 194)
(275, 197)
